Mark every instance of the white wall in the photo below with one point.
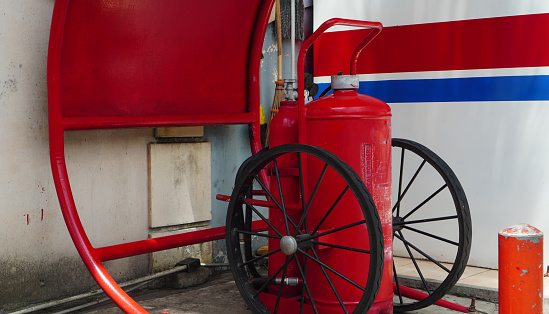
(498, 149)
(108, 168)
(499, 152)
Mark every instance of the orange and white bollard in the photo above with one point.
(520, 270)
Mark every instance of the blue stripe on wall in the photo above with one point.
(500, 88)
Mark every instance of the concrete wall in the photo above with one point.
(108, 170)
(37, 258)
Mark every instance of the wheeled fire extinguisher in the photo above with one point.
(357, 129)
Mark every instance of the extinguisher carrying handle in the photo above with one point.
(376, 29)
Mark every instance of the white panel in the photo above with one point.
(407, 12)
(180, 183)
(165, 259)
(108, 175)
(498, 151)
(446, 74)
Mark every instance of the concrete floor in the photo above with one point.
(219, 295)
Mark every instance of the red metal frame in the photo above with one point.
(77, 59)
(376, 29)
(418, 295)
(301, 109)
(97, 82)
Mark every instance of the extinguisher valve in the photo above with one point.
(290, 93)
(345, 82)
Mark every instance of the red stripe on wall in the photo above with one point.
(502, 42)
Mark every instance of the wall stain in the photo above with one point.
(34, 217)
(27, 281)
(9, 87)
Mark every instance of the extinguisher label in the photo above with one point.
(368, 165)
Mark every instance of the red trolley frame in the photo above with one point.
(148, 63)
(151, 63)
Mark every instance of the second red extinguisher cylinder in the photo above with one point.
(357, 129)
(284, 124)
(284, 131)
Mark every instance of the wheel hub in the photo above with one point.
(397, 223)
(288, 245)
(304, 241)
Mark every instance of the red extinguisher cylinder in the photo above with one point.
(357, 129)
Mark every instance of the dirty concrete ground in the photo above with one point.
(220, 295)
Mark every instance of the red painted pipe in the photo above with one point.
(117, 251)
(520, 261)
(418, 295)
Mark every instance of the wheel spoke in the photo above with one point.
(401, 196)
(247, 238)
(259, 234)
(331, 284)
(305, 284)
(431, 235)
(248, 215)
(342, 247)
(331, 209)
(312, 197)
(425, 201)
(419, 221)
(332, 231)
(274, 200)
(262, 217)
(332, 270)
(255, 259)
(395, 276)
(400, 180)
(281, 197)
(281, 283)
(302, 301)
(407, 243)
(302, 190)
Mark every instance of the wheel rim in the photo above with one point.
(436, 219)
(300, 239)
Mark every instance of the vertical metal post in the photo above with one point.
(292, 37)
(520, 270)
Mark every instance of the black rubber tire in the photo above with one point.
(248, 175)
(459, 208)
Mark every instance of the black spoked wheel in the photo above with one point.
(431, 224)
(325, 249)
